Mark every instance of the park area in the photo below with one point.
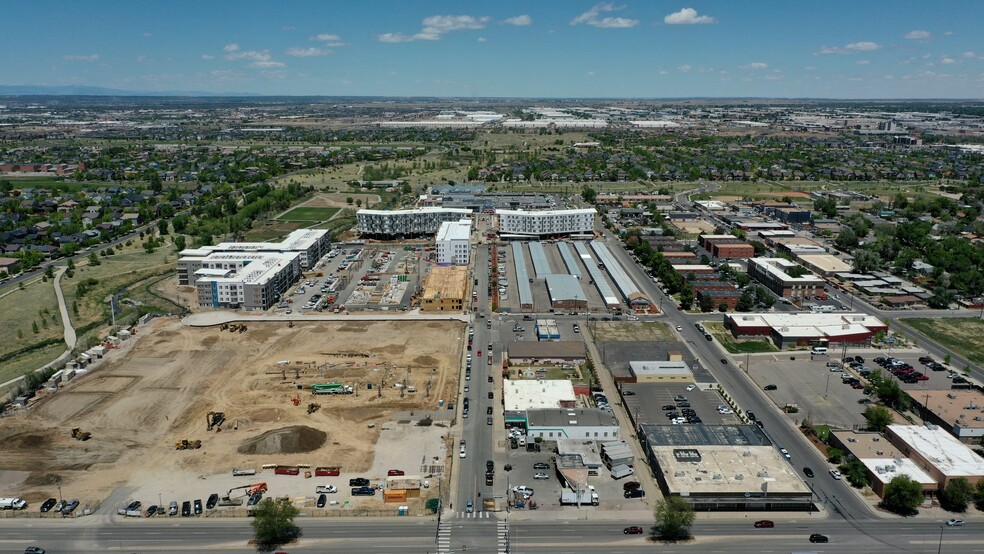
(159, 387)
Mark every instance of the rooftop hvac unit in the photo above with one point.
(951, 395)
(718, 476)
(879, 452)
(746, 454)
(679, 473)
(852, 439)
(875, 439)
(739, 477)
(762, 473)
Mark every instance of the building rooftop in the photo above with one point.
(943, 450)
(784, 322)
(546, 212)
(424, 210)
(886, 469)
(565, 287)
(567, 417)
(960, 408)
(454, 230)
(446, 282)
(825, 262)
(546, 349)
(707, 470)
(527, 395)
(659, 368)
(777, 267)
(705, 435)
(866, 444)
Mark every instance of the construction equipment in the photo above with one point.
(81, 435)
(214, 419)
(233, 327)
(224, 326)
(186, 444)
(242, 328)
(296, 400)
(313, 407)
(250, 490)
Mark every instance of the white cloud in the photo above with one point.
(863, 46)
(688, 16)
(481, 39)
(326, 37)
(252, 55)
(143, 59)
(664, 72)
(970, 54)
(519, 20)
(590, 17)
(947, 61)
(436, 26)
(233, 47)
(948, 33)
(591, 74)
(684, 68)
(756, 65)
(208, 57)
(266, 64)
(82, 58)
(147, 34)
(918, 35)
(307, 52)
(862, 62)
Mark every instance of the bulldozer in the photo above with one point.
(81, 435)
(313, 407)
(214, 419)
(186, 444)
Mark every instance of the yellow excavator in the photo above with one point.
(81, 435)
(186, 444)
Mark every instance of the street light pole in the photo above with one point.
(939, 549)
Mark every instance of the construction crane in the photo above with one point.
(250, 490)
(81, 435)
(214, 419)
(186, 444)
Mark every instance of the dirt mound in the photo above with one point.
(288, 440)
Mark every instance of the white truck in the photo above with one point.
(621, 470)
(12, 504)
(583, 498)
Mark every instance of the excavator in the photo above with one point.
(250, 490)
(81, 435)
(214, 419)
(313, 407)
(186, 444)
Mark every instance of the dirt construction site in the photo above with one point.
(159, 390)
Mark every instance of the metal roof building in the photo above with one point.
(566, 293)
(597, 275)
(522, 278)
(633, 296)
(569, 261)
(540, 264)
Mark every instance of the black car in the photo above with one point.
(817, 537)
(322, 500)
(751, 415)
(213, 499)
(724, 361)
(683, 404)
(489, 466)
(628, 393)
(48, 504)
(359, 482)
(254, 499)
(808, 472)
(634, 493)
(859, 359)
(151, 511)
(669, 407)
(186, 508)
(541, 465)
(488, 410)
(771, 387)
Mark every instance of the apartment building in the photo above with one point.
(382, 224)
(546, 223)
(453, 242)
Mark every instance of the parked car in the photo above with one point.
(771, 387)
(634, 530)
(817, 537)
(322, 500)
(835, 474)
(70, 507)
(764, 524)
(630, 485)
(361, 481)
(152, 511)
(541, 465)
(523, 489)
(540, 476)
(634, 493)
(33, 550)
(186, 508)
(213, 499)
(325, 489)
(395, 472)
(48, 504)
(172, 508)
(198, 506)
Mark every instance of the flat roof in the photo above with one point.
(660, 368)
(778, 267)
(539, 258)
(569, 261)
(705, 435)
(866, 444)
(454, 230)
(691, 267)
(565, 287)
(826, 262)
(950, 456)
(410, 211)
(446, 282)
(522, 276)
(630, 291)
(956, 407)
(546, 349)
(782, 321)
(886, 469)
(570, 417)
(583, 211)
(722, 469)
(261, 267)
(526, 395)
(598, 276)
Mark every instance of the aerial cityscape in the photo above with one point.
(495, 277)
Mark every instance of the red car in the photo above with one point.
(395, 472)
(922, 377)
(764, 524)
(479, 353)
(634, 530)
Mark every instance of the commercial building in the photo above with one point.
(961, 412)
(309, 244)
(250, 280)
(445, 289)
(726, 246)
(556, 352)
(824, 264)
(631, 293)
(565, 293)
(524, 395)
(382, 224)
(453, 242)
(801, 329)
(546, 223)
(774, 273)
(937, 452)
(661, 372)
(728, 297)
(881, 471)
(723, 468)
(571, 423)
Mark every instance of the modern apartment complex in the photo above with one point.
(774, 273)
(546, 223)
(310, 244)
(382, 224)
(453, 242)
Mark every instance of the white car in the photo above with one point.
(725, 411)
(835, 474)
(461, 453)
(785, 453)
(541, 475)
(678, 420)
(691, 387)
(679, 327)
(955, 523)
(325, 489)
(523, 490)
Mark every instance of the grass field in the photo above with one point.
(962, 335)
(46, 182)
(306, 214)
(20, 308)
(21, 365)
(735, 346)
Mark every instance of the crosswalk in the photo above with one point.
(502, 537)
(473, 515)
(444, 538)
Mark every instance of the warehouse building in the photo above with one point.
(383, 224)
(571, 423)
(565, 293)
(546, 223)
(774, 273)
(309, 244)
(597, 277)
(661, 372)
(630, 291)
(723, 468)
(445, 289)
(453, 242)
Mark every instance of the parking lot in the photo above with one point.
(645, 401)
(938, 380)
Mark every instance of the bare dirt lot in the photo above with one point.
(159, 390)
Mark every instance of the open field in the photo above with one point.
(25, 363)
(305, 214)
(38, 304)
(736, 346)
(159, 386)
(959, 334)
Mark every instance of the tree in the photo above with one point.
(179, 243)
(957, 495)
(34, 327)
(589, 195)
(94, 259)
(70, 264)
(746, 302)
(358, 203)
(674, 516)
(835, 455)
(878, 418)
(273, 522)
(162, 226)
(902, 495)
(827, 206)
(723, 307)
(49, 272)
(706, 304)
(686, 296)
(979, 496)
(855, 473)
(866, 260)
(847, 239)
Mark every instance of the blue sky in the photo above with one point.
(544, 48)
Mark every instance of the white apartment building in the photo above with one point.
(384, 224)
(546, 223)
(310, 244)
(453, 242)
(250, 280)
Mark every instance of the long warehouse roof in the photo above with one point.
(622, 280)
(597, 275)
(522, 278)
(569, 261)
(540, 265)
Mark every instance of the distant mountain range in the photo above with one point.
(70, 90)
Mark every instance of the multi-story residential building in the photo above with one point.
(250, 280)
(453, 242)
(774, 274)
(310, 244)
(546, 223)
(384, 224)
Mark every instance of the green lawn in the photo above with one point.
(20, 309)
(308, 214)
(735, 346)
(28, 362)
(962, 335)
